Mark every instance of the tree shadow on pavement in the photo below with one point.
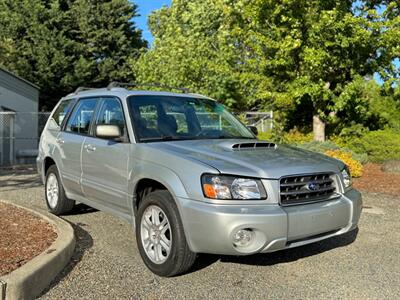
(83, 242)
(17, 179)
(283, 256)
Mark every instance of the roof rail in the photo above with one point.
(82, 88)
(134, 84)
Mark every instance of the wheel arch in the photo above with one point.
(47, 162)
(145, 185)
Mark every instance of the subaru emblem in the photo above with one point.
(313, 186)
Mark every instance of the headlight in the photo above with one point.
(232, 188)
(346, 177)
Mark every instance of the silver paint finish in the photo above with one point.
(105, 175)
(276, 226)
(68, 148)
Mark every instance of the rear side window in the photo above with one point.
(58, 116)
(81, 117)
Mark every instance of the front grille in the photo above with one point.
(306, 188)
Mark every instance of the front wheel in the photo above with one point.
(160, 236)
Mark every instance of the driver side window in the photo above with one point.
(80, 120)
(111, 113)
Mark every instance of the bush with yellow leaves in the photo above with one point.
(356, 168)
(296, 137)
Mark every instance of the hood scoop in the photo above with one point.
(253, 146)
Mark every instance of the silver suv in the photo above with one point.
(189, 176)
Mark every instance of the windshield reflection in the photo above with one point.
(167, 118)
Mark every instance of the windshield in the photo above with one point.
(158, 118)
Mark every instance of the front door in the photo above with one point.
(105, 162)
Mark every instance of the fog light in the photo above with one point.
(243, 237)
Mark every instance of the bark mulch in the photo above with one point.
(376, 181)
(22, 237)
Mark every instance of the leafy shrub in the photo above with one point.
(293, 137)
(296, 137)
(355, 166)
(331, 147)
(349, 133)
(337, 144)
(360, 157)
(277, 134)
(266, 136)
(319, 146)
(380, 145)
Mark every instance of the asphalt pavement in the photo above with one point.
(364, 264)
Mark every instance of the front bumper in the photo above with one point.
(209, 228)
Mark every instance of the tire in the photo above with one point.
(179, 258)
(56, 200)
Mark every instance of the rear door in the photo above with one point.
(70, 142)
(105, 161)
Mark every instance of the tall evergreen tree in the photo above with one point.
(62, 44)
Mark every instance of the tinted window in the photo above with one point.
(180, 118)
(158, 118)
(81, 117)
(212, 119)
(60, 113)
(148, 114)
(111, 113)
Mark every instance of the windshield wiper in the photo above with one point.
(165, 138)
(183, 138)
(234, 137)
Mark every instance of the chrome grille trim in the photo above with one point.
(307, 188)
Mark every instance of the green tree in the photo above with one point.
(286, 54)
(197, 45)
(62, 44)
(367, 106)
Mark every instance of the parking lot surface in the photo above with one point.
(106, 263)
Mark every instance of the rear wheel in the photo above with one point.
(160, 236)
(56, 200)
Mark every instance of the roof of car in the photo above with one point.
(122, 93)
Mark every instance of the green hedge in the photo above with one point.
(375, 146)
(379, 145)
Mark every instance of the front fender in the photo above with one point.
(157, 172)
(165, 176)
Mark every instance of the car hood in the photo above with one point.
(263, 162)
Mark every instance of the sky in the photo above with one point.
(145, 7)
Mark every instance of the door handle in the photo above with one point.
(90, 148)
(59, 141)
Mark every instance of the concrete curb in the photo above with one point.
(28, 281)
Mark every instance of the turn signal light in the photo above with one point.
(209, 191)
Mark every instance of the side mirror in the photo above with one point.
(253, 129)
(108, 131)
